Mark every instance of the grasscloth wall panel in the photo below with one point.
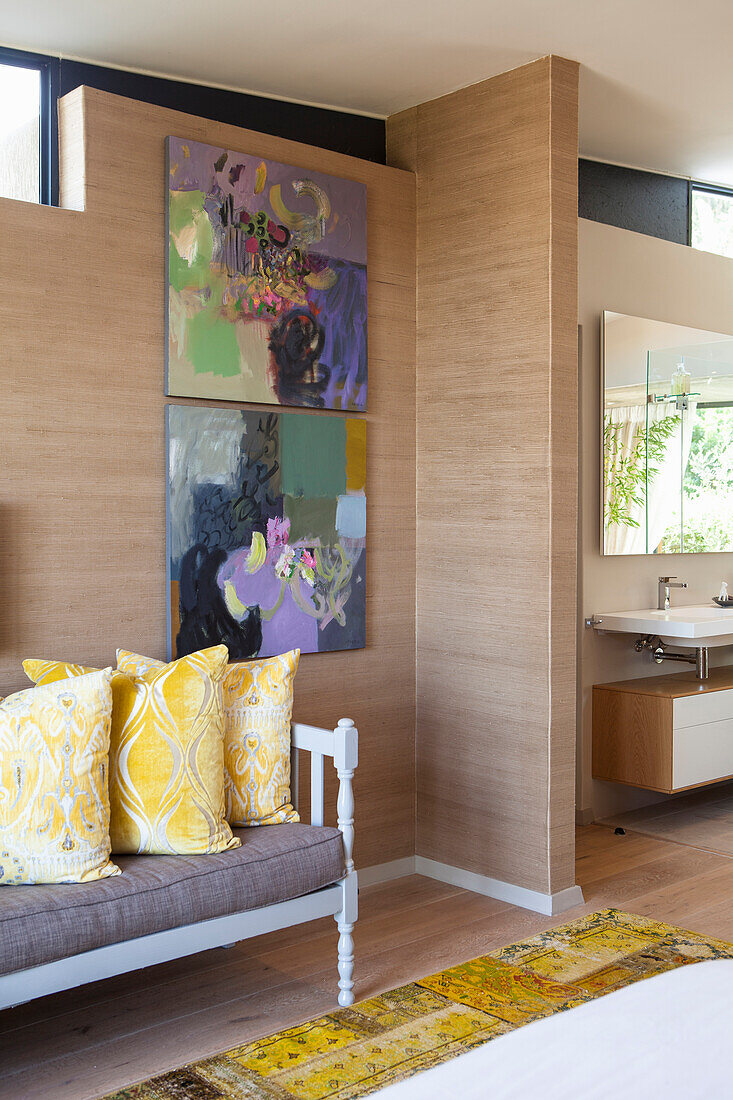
(496, 471)
(82, 518)
(564, 464)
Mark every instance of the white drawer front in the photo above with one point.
(702, 754)
(697, 710)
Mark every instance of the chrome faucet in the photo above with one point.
(665, 583)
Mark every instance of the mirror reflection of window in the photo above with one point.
(667, 438)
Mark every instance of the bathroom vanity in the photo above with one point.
(664, 733)
(666, 435)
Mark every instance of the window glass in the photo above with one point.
(704, 516)
(712, 221)
(20, 106)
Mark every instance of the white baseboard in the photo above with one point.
(584, 817)
(562, 900)
(549, 904)
(385, 872)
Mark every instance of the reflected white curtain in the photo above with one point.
(654, 514)
(622, 538)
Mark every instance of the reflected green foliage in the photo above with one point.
(627, 475)
(710, 465)
(704, 533)
(708, 488)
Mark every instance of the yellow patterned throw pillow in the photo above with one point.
(54, 805)
(166, 756)
(258, 708)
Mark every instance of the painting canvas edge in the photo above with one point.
(166, 274)
(168, 537)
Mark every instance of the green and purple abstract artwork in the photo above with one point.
(266, 531)
(266, 281)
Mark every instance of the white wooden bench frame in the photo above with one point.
(339, 900)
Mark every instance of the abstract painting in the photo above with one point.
(267, 296)
(266, 531)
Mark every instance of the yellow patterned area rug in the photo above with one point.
(353, 1052)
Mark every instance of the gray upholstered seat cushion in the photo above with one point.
(41, 923)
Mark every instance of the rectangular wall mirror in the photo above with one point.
(667, 438)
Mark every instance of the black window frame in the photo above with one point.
(709, 189)
(355, 135)
(48, 70)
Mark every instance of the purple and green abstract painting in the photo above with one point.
(266, 531)
(267, 293)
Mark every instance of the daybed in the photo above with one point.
(164, 907)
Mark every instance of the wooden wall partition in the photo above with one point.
(82, 520)
(496, 471)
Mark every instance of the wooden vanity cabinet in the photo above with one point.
(665, 733)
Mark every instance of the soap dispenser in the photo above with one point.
(680, 381)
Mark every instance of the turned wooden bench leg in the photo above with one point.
(346, 964)
(345, 921)
(346, 759)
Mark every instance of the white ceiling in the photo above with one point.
(656, 84)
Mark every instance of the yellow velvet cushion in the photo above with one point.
(258, 708)
(54, 802)
(166, 756)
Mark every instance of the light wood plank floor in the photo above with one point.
(83, 1043)
(700, 819)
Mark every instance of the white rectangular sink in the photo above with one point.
(704, 625)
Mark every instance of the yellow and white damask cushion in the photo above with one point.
(258, 708)
(166, 756)
(54, 804)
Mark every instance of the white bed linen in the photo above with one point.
(663, 1038)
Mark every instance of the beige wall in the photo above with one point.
(497, 463)
(635, 274)
(628, 339)
(82, 514)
